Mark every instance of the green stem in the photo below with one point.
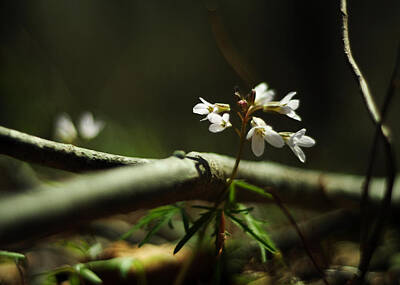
(221, 198)
(239, 155)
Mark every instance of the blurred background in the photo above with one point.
(140, 66)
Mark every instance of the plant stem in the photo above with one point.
(239, 154)
(221, 197)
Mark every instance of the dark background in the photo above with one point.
(141, 65)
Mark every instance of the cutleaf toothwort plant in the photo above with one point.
(259, 99)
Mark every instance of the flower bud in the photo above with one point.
(242, 104)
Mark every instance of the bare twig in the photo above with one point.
(299, 232)
(373, 152)
(369, 245)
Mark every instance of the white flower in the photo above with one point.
(286, 106)
(206, 108)
(88, 126)
(64, 129)
(263, 95)
(259, 132)
(297, 140)
(219, 123)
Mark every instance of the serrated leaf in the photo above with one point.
(255, 225)
(156, 228)
(10, 254)
(270, 247)
(152, 215)
(252, 188)
(194, 228)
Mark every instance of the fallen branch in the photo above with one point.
(151, 183)
(58, 155)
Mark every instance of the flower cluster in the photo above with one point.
(88, 127)
(213, 111)
(260, 98)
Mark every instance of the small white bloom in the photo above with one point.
(219, 123)
(297, 140)
(88, 126)
(206, 108)
(286, 106)
(64, 129)
(263, 95)
(259, 132)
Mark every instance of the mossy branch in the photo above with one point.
(58, 155)
(151, 183)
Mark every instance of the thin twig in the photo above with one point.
(365, 194)
(302, 237)
(368, 245)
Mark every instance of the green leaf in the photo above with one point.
(74, 279)
(266, 243)
(10, 254)
(255, 225)
(87, 274)
(125, 266)
(156, 228)
(154, 214)
(252, 188)
(140, 272)
(203, 207)
(95, 250)
(194, 228)
(241, 210)
(185, 219)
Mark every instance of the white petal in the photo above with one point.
(300, 133)
(261, 88)
(65, 129)
(257, 145)
(284, 110)
(264, 98)
(306, 141)
(225, 117)
(258, 122)
(88, 126)
(287, 98)
(200, 109)
(273, 138)
(293, 104)
(214, 118)
(250, 133)
(205, 102)
(293, 115)
(216, 128)
(299, 153)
